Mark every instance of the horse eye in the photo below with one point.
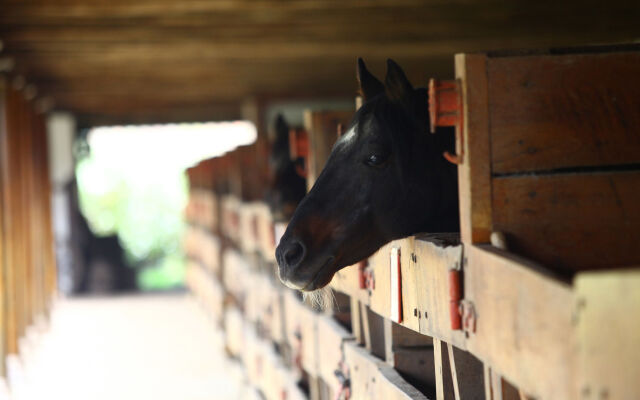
(376, 160)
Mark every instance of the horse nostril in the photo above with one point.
(294, 254)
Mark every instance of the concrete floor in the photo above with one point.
(152, 347)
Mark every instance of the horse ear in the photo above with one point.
(370, 86)
(398, 87)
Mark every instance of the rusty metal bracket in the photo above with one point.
(461, 311)
(468, 313)
(446, 109)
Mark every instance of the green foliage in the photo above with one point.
(143, 204)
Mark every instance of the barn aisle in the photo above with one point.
(134, 347)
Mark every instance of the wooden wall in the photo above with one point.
(27, 262)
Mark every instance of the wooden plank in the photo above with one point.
(557, 111)
(347, 281)
(398, 337)
(356, 321)
(437, 357)
(474, 174)
(266, 233)
(322, 127)
(372, 379)
(607, 331)
(207, 289)
(454, 375)
(293, 310)
(331, 337)
(5, 273)
(10, 192)
(210, 252)
(233, 327)
(235, 270)
(51, 273)
(231, 217)
(310, 348)
(425, 285)
(274, 317)
(571, 222)
(380, 266)
(523, 321)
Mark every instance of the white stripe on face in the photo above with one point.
(347, 138)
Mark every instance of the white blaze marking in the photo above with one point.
(347, 138)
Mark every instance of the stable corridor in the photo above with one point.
(132, 347)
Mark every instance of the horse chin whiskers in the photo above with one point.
(320, 299)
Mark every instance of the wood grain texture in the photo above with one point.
(97, 59)
(372, 379)
(380, 268)
(331, 339)
(474, 174)
(523, 322)
(347, 281)
(426, 290)
(26, 241)
(562, 111)
(6, 314)
(571, 222)
(607, 329)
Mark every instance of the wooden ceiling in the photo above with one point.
(135, 61)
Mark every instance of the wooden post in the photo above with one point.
(474, 173)
(5, 300)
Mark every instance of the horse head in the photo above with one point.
(384, 179)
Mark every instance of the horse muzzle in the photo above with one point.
(298, 271)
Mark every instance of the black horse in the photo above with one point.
(287, 188)
(385, 179)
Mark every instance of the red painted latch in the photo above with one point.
(362, 274)
(455, 295)
(445, 109)
(299, 148)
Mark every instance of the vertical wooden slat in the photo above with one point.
(454, 374)
(50, 269)
(5, 288)
(26, 239)
(11, 179)
(474, 174)
(437, 359)
(25, 204)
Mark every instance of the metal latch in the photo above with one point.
(462, 312)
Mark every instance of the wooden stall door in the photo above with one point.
(552, 155)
